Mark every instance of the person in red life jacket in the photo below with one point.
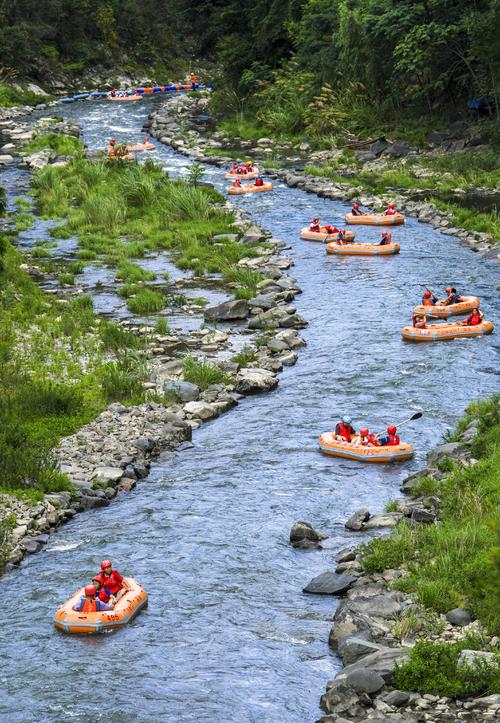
(367, 439)
(315, 225)
(390, 210)
(237, 183)
(474, 319)
(89, 603)
(102, 593)
(428, 299)
(234, 169)
(355, 210)
(386, 239)
(331, 229)
(452, 298)
(391, 439)
(258, 181)
(112, 580)
(419, 321)
(344, 430)
(249, 166)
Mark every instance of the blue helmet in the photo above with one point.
(347, 419)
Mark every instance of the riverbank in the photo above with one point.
(417, 627)
(186, 125)
(162, 383)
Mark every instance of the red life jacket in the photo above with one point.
(345, 431)
(89, 606)
(373, 440)
(393, 439)
(474, 319)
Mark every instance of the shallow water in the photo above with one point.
(228, 635)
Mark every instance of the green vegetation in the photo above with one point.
(10, 96)
(128, 271)
(146, 301)
(245, 357)
(432, 668)
(63, 145)
(203, 373)
(455, 563)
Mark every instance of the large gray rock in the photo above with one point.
(387, 519)
(340, 697)
(202, 410)
(355, 648)
(253, 381)
(376, 606)
(227, 311)
(107, 474)
(451, 449)
(329, 583)
(396, 698)
(423, 516)
(365, 681)
(459, 617)
(365, 156)
(471, 658)
(347, 555)
(357, 520)
(382, 662)
(184, 391)
(398, 149)
(378, 147)
(303, 535)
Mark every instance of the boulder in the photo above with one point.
(365, 681)
(398, 149)
(227, 311)
(107, 474)
(202, 410)
(376, 606)
(387, 519)
(470, 658)
(253, 381)
(365, 156)
(329, 583)
(357, 520)
(378, 147)
(459, 617)
(396, 698)
(355, 648)
(253, 235)
(339, 697)
(39, 159)
(184, 391)
(347, 555)
(487, 701)
(145, 444)
(451, 449)
(382, 662)
(422, 516)
(303, 535)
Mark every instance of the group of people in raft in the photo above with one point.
(246, 168)
(106, 589)
(419, 321)
(122, 93)
(345, 432)
(316, 227)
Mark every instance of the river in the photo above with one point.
(228, 634)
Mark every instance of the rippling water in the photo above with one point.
(228, 635)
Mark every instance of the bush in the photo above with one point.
(432, 668)
(63, 145)
(146, 301)
(121, 381)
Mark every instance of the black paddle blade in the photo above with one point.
(417, 415)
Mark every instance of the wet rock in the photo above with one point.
(141, 470)
(253, 235)
(378, 147)
(470, 658)
(388, 519)
(357, 520)
(87, 502)
(329, 583)
(107, 474)
(365, 681)
(227, 311)
(184, 391)
(452, 450)
(376, 606)
(396, 698)
(346, 555)
(39, 159)
(398, 149)
(382, 662)
(145, 444)
(340, 697)
(202, 410)
(5, 159)
(253, 381)
(303, 535)
(488, 701)
(459, 617)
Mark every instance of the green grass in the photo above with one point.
(470, 219)
(146, 301)
(161, 327)
(457, 562)
(128, 271)
(433, 668)
(10, 97)
(203, 373)
(245, 357)
(61, 144)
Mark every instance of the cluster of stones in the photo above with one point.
(19, 134)
(176, 123)
(364, 633)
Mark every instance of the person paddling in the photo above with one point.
(89, 603)
(237, 183)
(452, 298)
(355, 210)
(386, 239)
(390, 210)
(259, 181)
(429, 299)
(344, 430)
(112, 580)
(391, 439)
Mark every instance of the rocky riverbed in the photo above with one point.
(369, 631)
(183, 123)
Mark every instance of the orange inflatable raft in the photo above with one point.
(127, 607)
(243, 176)
(323, 235)
(375, 219)
(124, 98)
(358, 249)
(249, 188)
(388, 453)
(443, 312)
(141, 147)
(439, 332)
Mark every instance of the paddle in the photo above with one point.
(417, 415)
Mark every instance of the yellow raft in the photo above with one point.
(375, 219)
(387, 453)
(440, 332)
(249, 188)
(127, 607)
(359, 249)
(443, 312)
(323, 235)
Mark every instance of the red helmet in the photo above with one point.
(392, 429)
(106, 563)
(427, 294)
(90, 590)
(356, 206)
(384, 233)
(363, 432)
(391, 205)
(448, 289)
(113, 140)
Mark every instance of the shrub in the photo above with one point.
(202, 373)
(121, 380)
(128, 271)
(63, 145)
(432, 668)
(146, 301)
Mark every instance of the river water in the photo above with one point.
(228, 635)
